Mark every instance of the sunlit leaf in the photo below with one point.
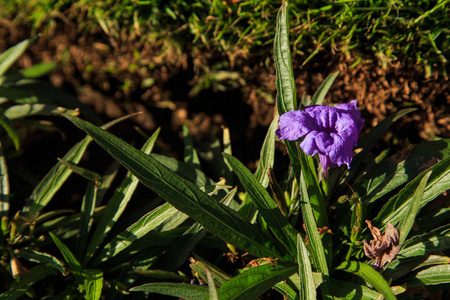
(255, 281)
(181, 290)
(369, 274)
(215, 217)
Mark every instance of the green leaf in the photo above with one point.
(368, 141)
(286, 94)
(4, 186)
(137, 230)
(307, 288)
(315, 242)
(199, 267)
(83, 172)
(401, 267)
(399, 169)
(55, 178)
(212, 291)
(25, 281)
(439, 274)
(428, 243)
(266, 205)
(38, 70)
(93, 280)
(369, 274)
(42, 258)
(9, 57)
(255, 281)
(406, 223)
(397, 206)
(9, 128)
(117, 204)
(322, 91)
(70, 259)
(87, 212)
(184, 170)
(266, 161)
(190, 155)
(349, 291)
(181, 290)
(185, 196)
(286, 290)
(26, 110)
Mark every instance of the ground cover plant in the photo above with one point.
(390, 54)
(317, 229)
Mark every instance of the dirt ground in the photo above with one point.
(108, 75)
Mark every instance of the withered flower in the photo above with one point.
(384, 247)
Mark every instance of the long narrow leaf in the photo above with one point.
(9, 57)
(307, 287)
(87, 212)
(397, 206)
(254, 281)
(409, 217)
(4, 186)
(70, 259)
(117, 204)
(21, 286)
(93, 280)
(145, 224)
(370, 275)
(9, 128)
(55, 178)
(317, 249)
(322, 91)
(181, 290)
(266, 205)
(216, 218)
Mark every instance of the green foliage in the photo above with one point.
(416, 30)
(291, 232)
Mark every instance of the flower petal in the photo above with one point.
(294, 125)
(308, 144)
(354, 112)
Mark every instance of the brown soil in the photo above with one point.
(106, 74)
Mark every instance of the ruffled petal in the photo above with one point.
(294, 125)
(342, 151)
(324, 142)
(351, 109)
(308, 144)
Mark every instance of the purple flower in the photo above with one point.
(331, 132)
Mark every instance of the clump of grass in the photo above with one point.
(416, 31)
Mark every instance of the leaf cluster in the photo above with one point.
(298, 233)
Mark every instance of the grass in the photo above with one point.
(411, 31)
